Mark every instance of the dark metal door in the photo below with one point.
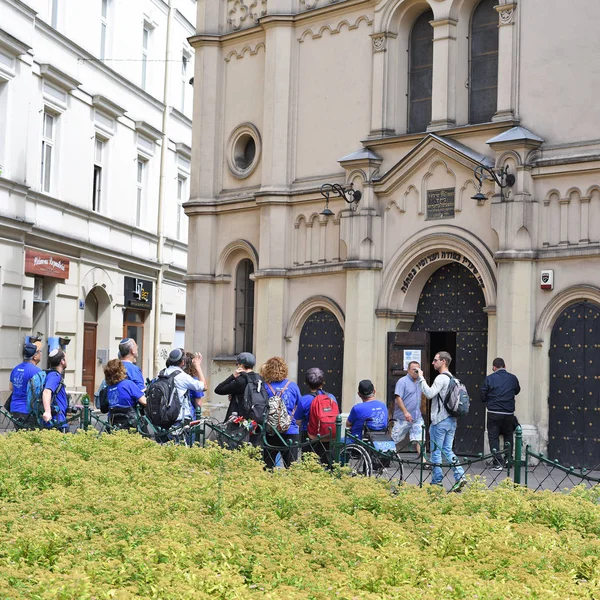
(574, 402)
(452, 301)
(322, 346)
(398, 343)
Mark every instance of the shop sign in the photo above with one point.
(138, 293)
(434, 257)
(48, 265)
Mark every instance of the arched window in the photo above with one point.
(483, 77)
(244, 307)
(420, 73)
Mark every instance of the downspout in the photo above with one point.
(161, 196)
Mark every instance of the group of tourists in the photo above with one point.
(125, 389)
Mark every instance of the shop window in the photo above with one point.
(133, 327)
(483, 68)
(244, 307)
(420, 76)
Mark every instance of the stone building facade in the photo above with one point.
(406, 101)
(95, 156)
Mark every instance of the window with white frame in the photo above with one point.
(3, 124)
(54, 13)
(140, 190)
(145, 45)
(48, 144)
(184, 78)
(103, 27)
(181, 198)
(98, 175)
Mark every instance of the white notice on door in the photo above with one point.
(410, 355)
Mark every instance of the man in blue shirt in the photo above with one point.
(128, 352)
(372, 412)
(19, 378)
(54, 396)
(407, 409)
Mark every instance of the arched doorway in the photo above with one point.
(451, 309)
(322, 345)
(574, 400)
(95, 337)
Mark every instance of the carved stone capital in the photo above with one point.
(380, 40)
(507, 13)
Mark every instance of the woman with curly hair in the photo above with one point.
(275, 372)
(122, 394)
(194, 397)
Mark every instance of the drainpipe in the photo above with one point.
(161, 195)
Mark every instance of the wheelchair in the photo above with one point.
(375, 455)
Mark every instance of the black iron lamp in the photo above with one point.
(349, 194)
(499, 174)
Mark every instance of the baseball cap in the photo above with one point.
(366, 387)
(246, 358)
(29, 350)
(175, 355)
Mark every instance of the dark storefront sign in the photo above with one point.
(440, 204)
(138, 293)
(47, 265)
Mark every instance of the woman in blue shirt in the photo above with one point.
(123, 395)
(275, 372)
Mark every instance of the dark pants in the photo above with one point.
(288, 456)
(23, 420)
(324, 452)
(500, 425)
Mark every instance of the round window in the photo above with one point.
(244, 150)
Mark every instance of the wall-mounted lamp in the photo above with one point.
(499, 174)
(349, 194)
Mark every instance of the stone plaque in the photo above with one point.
(440, 204)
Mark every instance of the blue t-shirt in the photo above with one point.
(124, 394)
(192, 396)
(374, 410)
(303, 409)
(134, 373)
(19, 378)
(53, 380)
(291, 397)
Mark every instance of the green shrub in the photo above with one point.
(119, 517)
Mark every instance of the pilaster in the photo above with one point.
(507, 62)
(381, 119)
(443, 94)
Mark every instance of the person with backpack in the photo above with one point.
(19, 378)
(284, 396)
(498, 393)
(443, 425)
(122, 395)
(183, 382)
(54, 396)
(314, 380)
(195, 397)
(235, 385)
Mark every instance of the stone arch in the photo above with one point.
(232, 254)
(97, 277)
(573, 294)
(522, 239)
(438, 239)
(510, 156)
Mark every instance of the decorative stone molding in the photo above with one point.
(507, 13)
(379, 42)
(245, 50)
(318, 34)
(237, 13)
(258, 9)
(312, 4)
(106, 106)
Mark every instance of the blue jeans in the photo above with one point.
(441, 441)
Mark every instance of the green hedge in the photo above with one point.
(120, 517)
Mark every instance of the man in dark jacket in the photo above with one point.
(235, 384)
(498, 392)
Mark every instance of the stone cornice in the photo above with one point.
(148, 131)
(59, 78)
(106, 106)
(12, 45)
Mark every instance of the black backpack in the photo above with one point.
(255, 403)
(162, 400)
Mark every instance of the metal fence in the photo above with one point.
(358, 456)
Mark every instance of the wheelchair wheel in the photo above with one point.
(388, 468)
(358, 459)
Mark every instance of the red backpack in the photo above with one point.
(323, 412)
